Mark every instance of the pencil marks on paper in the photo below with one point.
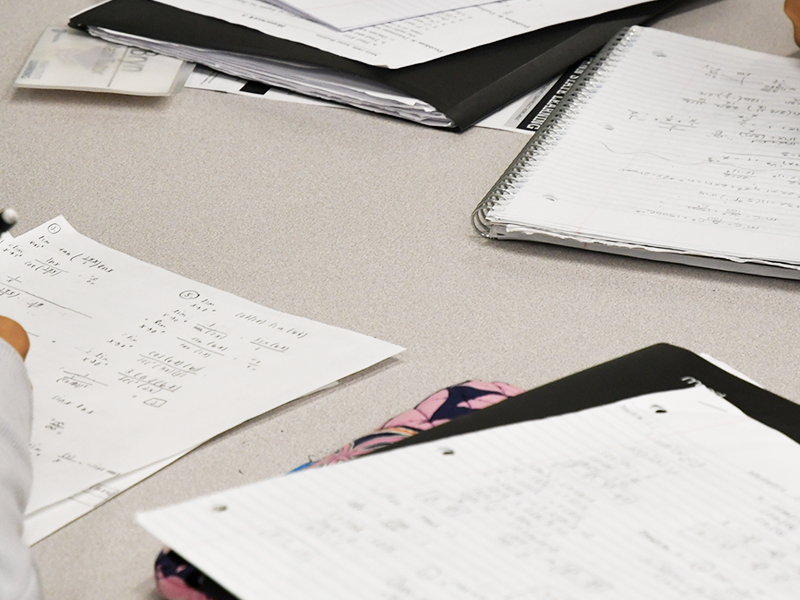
(629, 500)
(682, 144)
(125, 352)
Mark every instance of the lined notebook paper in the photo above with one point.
(671, 148)
(671, 496)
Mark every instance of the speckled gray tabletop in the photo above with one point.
(361, 222)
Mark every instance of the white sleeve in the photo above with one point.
(18, 579)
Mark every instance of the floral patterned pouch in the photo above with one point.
(177, 579)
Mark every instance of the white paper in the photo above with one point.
(72, 60)
(671, 496)
(408, 42)
(507, 118)
(203, 78)
(328, 84)
(680, 145)
(362, 13)
(49, 519)
(132, 364)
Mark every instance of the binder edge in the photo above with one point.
(480, 221)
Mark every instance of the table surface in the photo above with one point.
(357, 221)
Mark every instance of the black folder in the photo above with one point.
(466, 86)
(658, 368)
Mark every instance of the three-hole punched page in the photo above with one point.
(671, 148)
(671, 495)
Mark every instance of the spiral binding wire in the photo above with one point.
(539, 145)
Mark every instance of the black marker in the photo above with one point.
(8, 218)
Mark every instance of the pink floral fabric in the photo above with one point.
(178, 580)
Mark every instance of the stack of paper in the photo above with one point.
(133, 366)
(406, 42)
(449, 67)
(311, 80)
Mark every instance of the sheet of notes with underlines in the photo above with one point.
(132, 364)
(671, 496)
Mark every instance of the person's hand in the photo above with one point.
(14, 334)
(792, 10)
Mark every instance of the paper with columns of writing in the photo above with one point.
(132, 364)
(674, 144)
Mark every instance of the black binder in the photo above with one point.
(658, 368)
(466, 86)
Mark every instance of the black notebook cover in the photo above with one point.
(466, 86)
(657, 368)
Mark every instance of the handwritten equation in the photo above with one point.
(683, 144)
(747, 169)
(131, 364)
(635, 499)
(725, 141)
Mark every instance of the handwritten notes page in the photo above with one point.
(132, 364)
(408, 42)
(49, 519)
(363, 13)
(678, 145)
(671, 496)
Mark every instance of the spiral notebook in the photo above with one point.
(669, 148)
